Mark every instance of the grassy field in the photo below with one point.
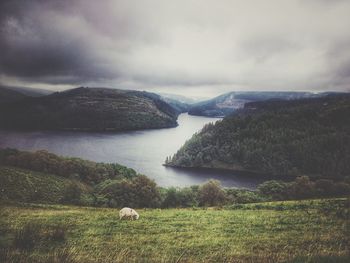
(294, 231)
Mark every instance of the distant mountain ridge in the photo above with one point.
(179, 98)
(226, 104)
(31, 92)
(9, 96)
(90, 109)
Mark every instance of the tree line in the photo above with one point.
(112, 185)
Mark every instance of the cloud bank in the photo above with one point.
(207, 47)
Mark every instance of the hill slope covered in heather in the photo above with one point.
(90, 109)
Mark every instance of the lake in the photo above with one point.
(145, 151)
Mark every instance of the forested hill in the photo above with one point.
(225, 104)
(308, 136)
(90, 109)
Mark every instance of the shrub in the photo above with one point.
(179, 197)
(302, 188)
(171, 198)
(145, 191)
(188, 197)
(246, 196)
(274, 190)
(140, 191)
(211, 194)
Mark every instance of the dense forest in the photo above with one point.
(283, 138)
(90, 109)
(43, 177)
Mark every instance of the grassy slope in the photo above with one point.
(25, 185)
(270, 232)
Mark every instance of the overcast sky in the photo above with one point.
(195, 48)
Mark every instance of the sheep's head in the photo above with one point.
(135, 215)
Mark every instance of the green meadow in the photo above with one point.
(291, 231)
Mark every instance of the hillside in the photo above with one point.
(179, 98)
(43, 177)
(8, 96)
(179, 106)
(295, 231)
(86, 171)
(90, 109)
(31, 92)
(226, 104)
(282, 138)
(23, 185)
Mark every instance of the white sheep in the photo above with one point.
(128, 213)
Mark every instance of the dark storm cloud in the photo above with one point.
(40, 41)
(211, 46)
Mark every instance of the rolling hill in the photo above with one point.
(282, 138)
(90, 109)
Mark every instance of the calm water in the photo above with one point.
(144, 151)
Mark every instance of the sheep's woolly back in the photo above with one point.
(128, 213)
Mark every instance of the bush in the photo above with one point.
(145, 192)
(188, 197)
(302, 188)
(179, 197)
(211, 194)
(246, 196)
(274, 190)
(171, 198)
(140, 191)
